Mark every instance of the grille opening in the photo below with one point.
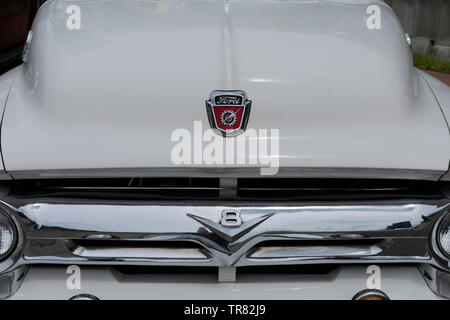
(133, 270)
(321, 269)
(152, 188)
(255, 189)
(334, 189)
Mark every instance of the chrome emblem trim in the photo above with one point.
(231, 219)
(230, 234)
(228, 111)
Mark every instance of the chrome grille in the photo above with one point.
(116, 233)
(183, 221)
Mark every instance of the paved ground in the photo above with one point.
(444, 77)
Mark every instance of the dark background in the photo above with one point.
(428, 24)
(424, 18)
(16, 17)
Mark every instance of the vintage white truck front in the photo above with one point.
(229, 149)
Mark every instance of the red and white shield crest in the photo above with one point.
(228, 111)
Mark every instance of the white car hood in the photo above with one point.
(110, 94)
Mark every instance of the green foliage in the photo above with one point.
(430, 63)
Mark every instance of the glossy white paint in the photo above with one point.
(110, 94)
(6, 81)
(342, 284)
(441, 92)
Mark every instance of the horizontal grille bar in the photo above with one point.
(310, 249)
(151, 250)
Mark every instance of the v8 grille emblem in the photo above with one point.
(231, 219)
(231, 228)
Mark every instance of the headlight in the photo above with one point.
(7, 235)
(443, 235)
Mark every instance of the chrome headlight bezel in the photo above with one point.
(442, 223)
(6, 219)
(9, 260)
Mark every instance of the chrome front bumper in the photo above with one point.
(184, 233)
